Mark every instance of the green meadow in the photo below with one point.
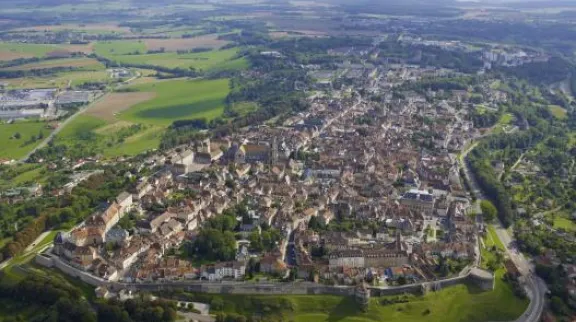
(123, 52)
(140, 128)
(179, 99)
(20, 138)
(94, 136)
(452, 304)
(59, 80)
(9, 51)
(110, 49)
(80, 63)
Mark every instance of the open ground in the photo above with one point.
(60, 80)
(11, 51)
(174, 44)
(103, 27)
(87, 63)
(180, 99)
(13, 147)
(455, 303)
(107, 108)
(134, 52)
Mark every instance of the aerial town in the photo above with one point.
(390, 171)
(234, 161)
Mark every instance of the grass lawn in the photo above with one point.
(557, 111)
(456, 303)
(34, 175)
(244, 108)
(180, 99)
(495, 240)
(21, 174)
(563, 221)
(14, 148)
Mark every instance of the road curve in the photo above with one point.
(535, 287)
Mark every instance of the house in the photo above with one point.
(252, 153)
(155, 223)
(117, 237)
(219, 271)
(272, 264)
(418, 201)
(325, 217)
(124, 200)
(346, 258)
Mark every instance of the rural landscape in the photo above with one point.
(262, 160)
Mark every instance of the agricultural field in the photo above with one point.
(124, 52)
(11, 51)
(88, 28)
(179, 99)
(99, 131)
(59, 80)
(133, 122)
(94, 136)
(114, 103)
(20, 138)
(174, 44)
(110, 49)
(83, 62)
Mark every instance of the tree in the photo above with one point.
(488, 210)
(402, 280)
(17, 135)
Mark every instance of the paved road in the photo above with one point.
(535, 287)
(59, 128)
(71, 118)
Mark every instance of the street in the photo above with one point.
(535, 288)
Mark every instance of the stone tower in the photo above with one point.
(274, 151)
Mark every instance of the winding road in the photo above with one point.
(535, 287)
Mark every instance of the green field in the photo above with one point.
(494, 238)
(111, 49)
(121, 52)
(13, 148)
(456, 303)
(557, 111)
(60, 80)
(140, 128)
(93, 136)
(18, 175)
(179, 99)
(81, 63)
(10, 51)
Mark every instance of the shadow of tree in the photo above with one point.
(346, 308)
